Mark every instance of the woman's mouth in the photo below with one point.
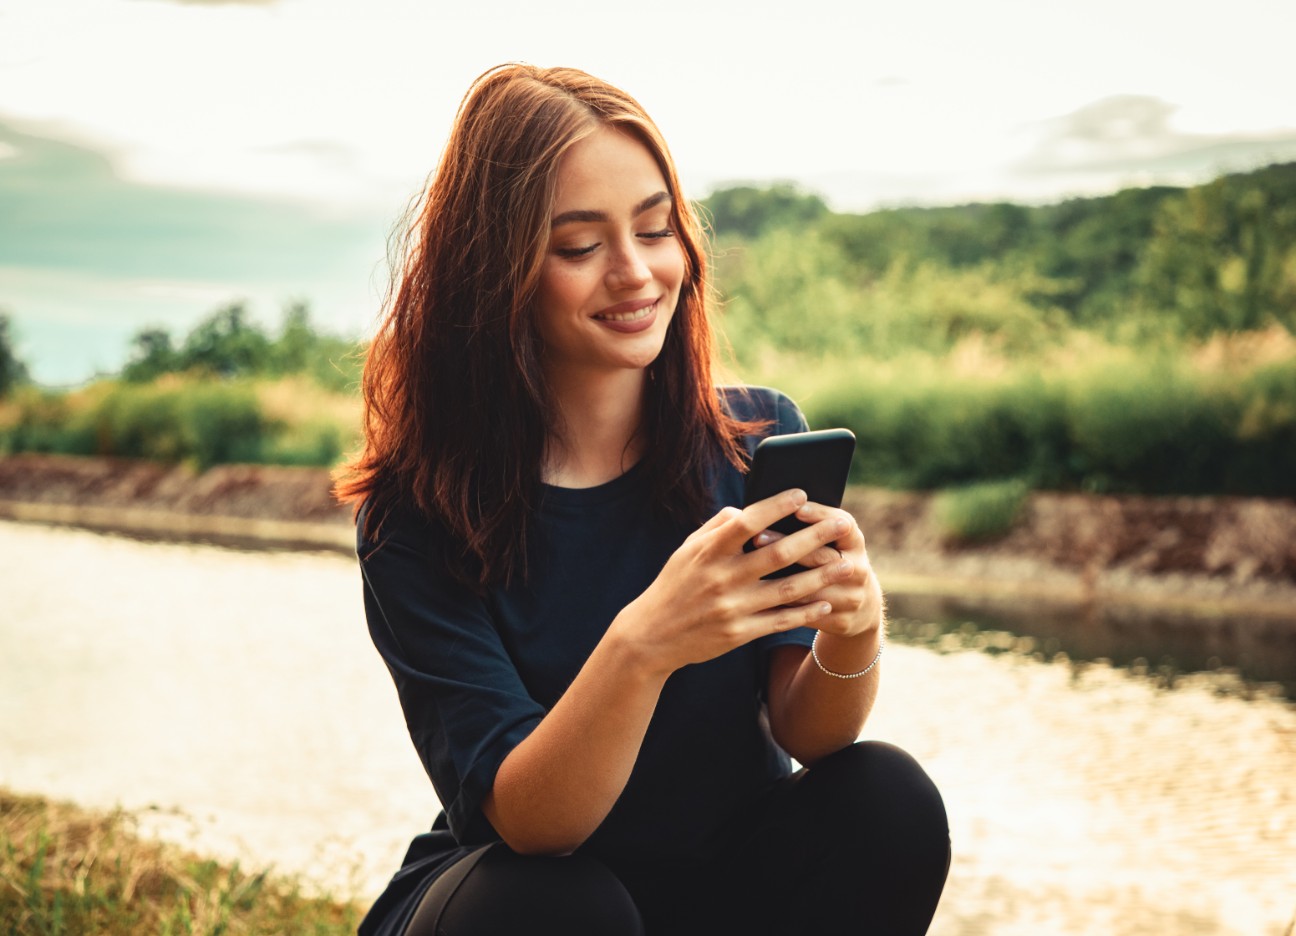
(633, 316)
(626, 316)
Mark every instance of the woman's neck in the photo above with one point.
(599, 419)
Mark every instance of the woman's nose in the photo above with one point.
(629, 271)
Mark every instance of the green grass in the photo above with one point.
(982, 511)
(201, 421)
(1211, 418)
(1092, 418)
(66, 871)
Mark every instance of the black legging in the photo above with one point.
(858, 844)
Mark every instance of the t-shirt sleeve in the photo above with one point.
(789, 417)
(465, 705)
(764, 404)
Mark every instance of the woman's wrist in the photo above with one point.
(848, 656)
(626, 653)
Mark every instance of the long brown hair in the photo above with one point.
(457, 408)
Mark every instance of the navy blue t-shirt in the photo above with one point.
(476, 673)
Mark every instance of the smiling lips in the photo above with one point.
(632, 316)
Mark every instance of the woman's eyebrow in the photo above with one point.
(568, 217)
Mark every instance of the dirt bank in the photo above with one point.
(1208, 554)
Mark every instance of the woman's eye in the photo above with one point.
(574, 253)
(571, 252)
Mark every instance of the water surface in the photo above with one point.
(234, 696)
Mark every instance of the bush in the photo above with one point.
(319, 443)
(923, 429)
(1157, 428)
(202, 421)
(1264, 455)
(206, 423)
(980, 511)
(1107, 421)
(222, 423)
(38, 420)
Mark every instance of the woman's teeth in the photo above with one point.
(625, 316)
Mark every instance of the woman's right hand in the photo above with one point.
(558, 784)
(710, 598)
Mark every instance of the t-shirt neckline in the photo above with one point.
(624, 483)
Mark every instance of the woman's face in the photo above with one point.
(612, 277)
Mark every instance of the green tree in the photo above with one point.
(152, 355)
(331, 361)
(1220, 258)
(226, 344)
(297, 343)
(1094, 246)
(746, 211)
(13, 372)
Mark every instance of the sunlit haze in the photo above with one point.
(318, 118)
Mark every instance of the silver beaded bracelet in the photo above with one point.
(814, 652)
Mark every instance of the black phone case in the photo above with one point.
(816, 462)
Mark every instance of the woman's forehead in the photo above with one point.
(609, 170)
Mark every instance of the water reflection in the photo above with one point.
(240, 689)
(1239, 655)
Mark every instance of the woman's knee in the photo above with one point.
(877, 791)
(507, 892)
(889, 828)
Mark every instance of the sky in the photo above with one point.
(161, 157)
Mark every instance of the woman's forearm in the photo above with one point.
(555, 788)
(813, 714)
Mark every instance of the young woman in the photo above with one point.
(603, 689)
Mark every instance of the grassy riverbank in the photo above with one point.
(1210, 418)
(1142, 343)
(190, 418)
(68, 870)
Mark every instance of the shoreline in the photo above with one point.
(1205, 557)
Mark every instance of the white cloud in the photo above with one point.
(220, 95)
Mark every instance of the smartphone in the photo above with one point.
(816, 462)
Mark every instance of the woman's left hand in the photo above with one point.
(856, 600)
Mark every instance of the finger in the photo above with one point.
(793, 589)
(759, 516)
(810, 512)
(821, 556)
(790, 617)
(725, 515)
(791, 549)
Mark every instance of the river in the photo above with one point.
(233, 699)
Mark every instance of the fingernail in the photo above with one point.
(844, 566)
(762, 539)
(842, 525)
(824, 609)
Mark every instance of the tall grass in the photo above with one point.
(177, 419)
(1088, 416)
(66, 871)
(980, 511)
(1083, 414)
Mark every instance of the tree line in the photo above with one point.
(228, 343)
(1144, 264)
(1138, 342)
